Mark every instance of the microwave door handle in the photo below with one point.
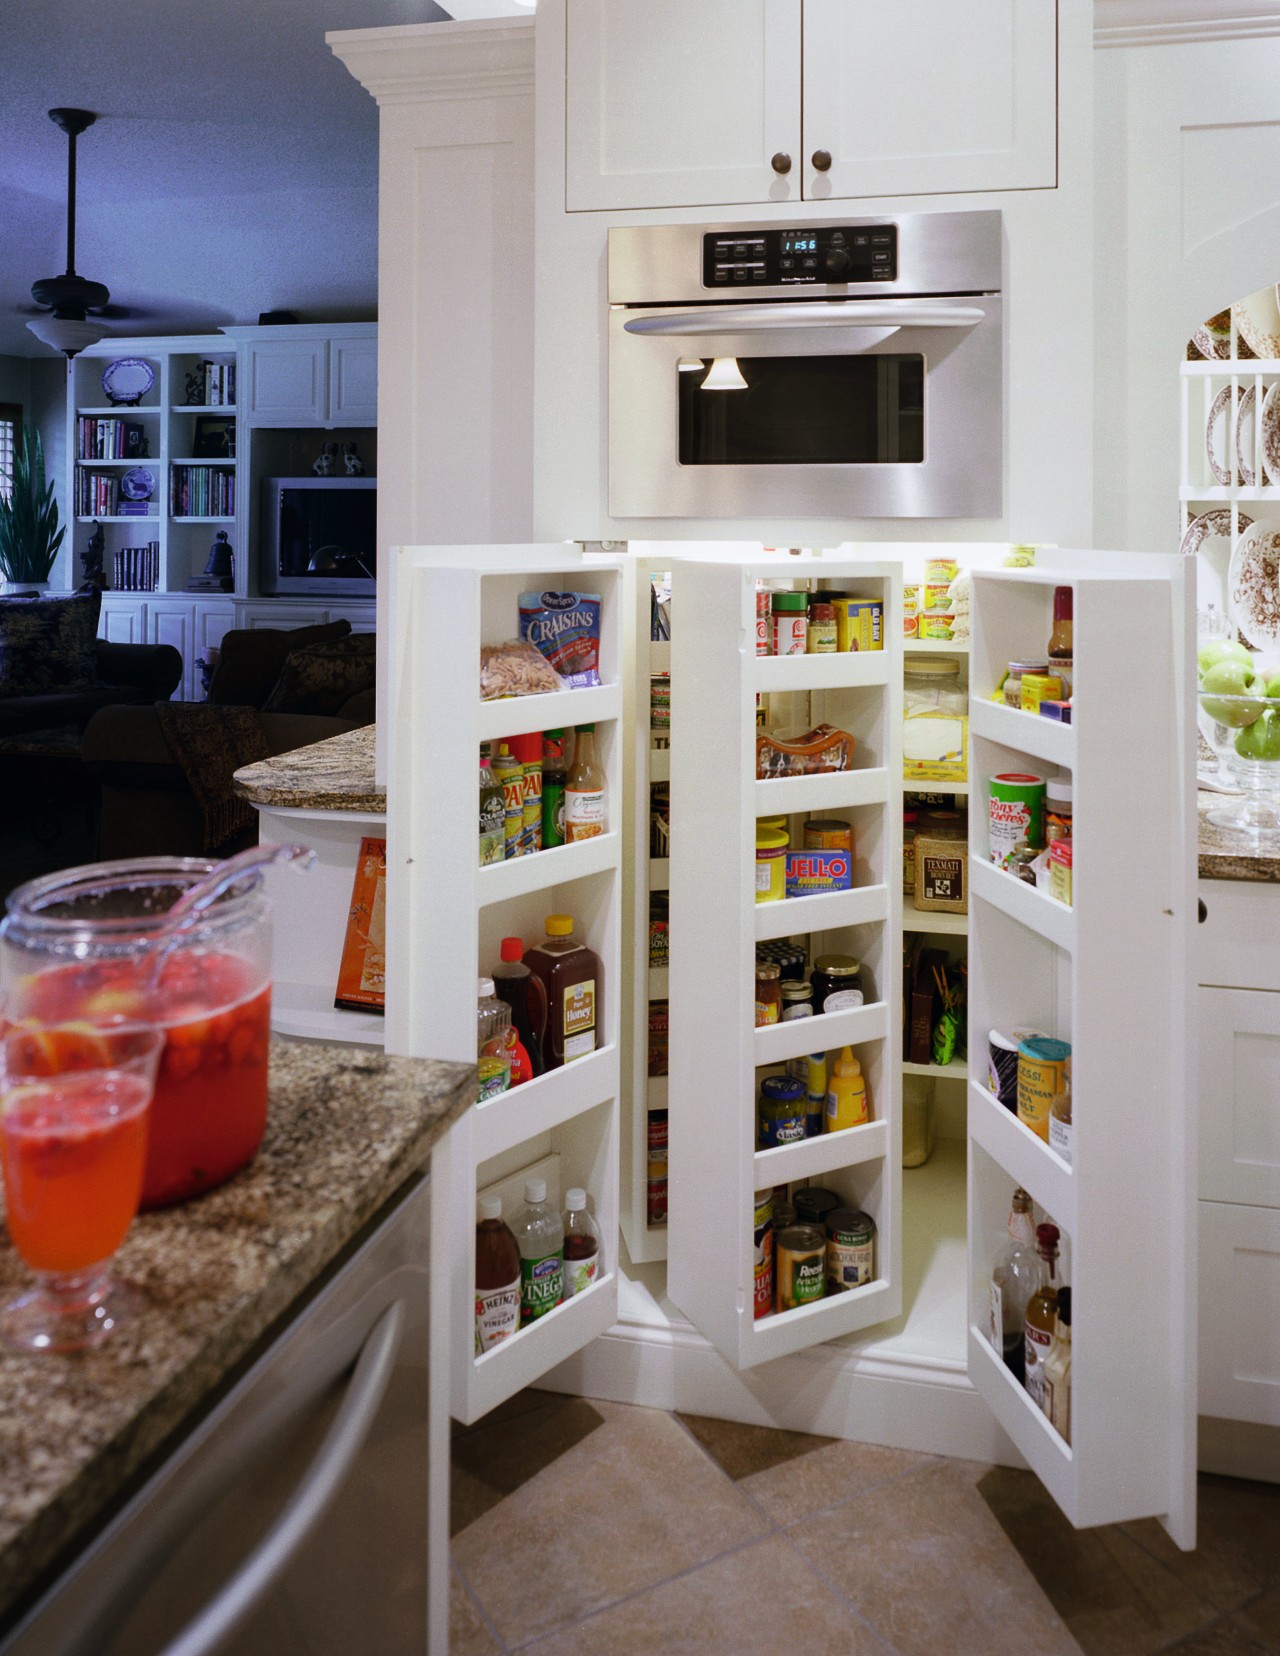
(781, 316)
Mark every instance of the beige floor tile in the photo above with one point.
(757, 1602)
(929, 1567)
(492, 1463)
(468, 1636)
(1228, 1637)
(1115, 1597)
(742, 1450)
(1238, 1536)
(619, 1507)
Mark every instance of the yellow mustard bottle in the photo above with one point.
(846, 1094)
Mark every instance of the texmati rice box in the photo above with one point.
(813, 871)
(859, 624)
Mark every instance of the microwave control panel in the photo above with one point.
(818, 256)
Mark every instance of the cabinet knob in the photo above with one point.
(781, 162)
(822, 160)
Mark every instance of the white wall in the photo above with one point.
(39, 386)
(1188, 162)
(1049, 335)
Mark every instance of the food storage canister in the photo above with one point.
(771, 864)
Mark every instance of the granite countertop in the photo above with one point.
(334, 775)
(1226, 855)
(345, 1130)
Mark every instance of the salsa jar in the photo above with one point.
(79, 946)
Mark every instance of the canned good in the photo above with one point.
(764, 1253)
(910, 611)
(940, 571)
(828, 834)
(771, 864)
(1040, 1061)
(837, 983)
(814, 1202)
(657, 1171)
(762, 620)
(660, 702)
(801, 1257)
(1015, 815)
(850, 1249)
(940, 628)
(788, 623)
(781, 1111)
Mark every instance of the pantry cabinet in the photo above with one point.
(1108, 972)
(292, 377)
(735, 101)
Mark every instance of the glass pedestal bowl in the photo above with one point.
(1244, 733)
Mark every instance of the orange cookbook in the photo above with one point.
(362, 976)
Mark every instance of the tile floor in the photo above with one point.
(585, 1528)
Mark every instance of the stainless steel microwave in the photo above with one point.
(848, 368)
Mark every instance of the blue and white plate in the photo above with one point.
(127, 380)
(138, 483)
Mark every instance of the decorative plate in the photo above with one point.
(138, 483)
(1258, 322)
(1270, 418)
(1212, 339)
(1215, 442)
(1246, 435)
(127, 380)
(1208, 540)
(1253, 586)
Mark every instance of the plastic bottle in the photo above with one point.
(492, 812)
(497, 1277)
(585, 809)
(526, 995)
(573, 977)
(540, 1237)
(846, 1094)
(493, 1020)
(554, 775)
(581, 1244)
(507, 770)
(815, 1077)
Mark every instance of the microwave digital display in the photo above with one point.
(824, 256)
(794, 242)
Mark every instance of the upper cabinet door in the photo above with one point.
(353, 381)
(676, 105)
(928, 96)
(287, 381)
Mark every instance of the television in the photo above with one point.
(319, 535)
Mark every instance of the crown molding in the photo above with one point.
(440, 62)
(1182, 22)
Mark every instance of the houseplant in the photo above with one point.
(30, 533)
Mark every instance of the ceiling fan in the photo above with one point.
(70, 297)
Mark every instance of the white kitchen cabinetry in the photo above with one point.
(123, 624)
(1239, 1109)
(672, 105)
(311, 379)
(446, 917)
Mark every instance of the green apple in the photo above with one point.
(1221, 649)
(1261, 739)
(1233, 678)
(1273, 686)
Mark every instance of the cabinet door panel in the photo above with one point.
(670, 104)
(1240, 1313)
(287, 381)
(970, 103)
(353, 382)
(176, 624)
(1239, 1096)
(123, 624)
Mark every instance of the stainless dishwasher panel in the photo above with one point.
(308, 1480)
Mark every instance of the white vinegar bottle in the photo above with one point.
(539, 1235)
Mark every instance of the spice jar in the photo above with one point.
(1057, 808)
(771, 864)
(837, 983)
(797, 1001)
(821, 638)
(768, 993)
(1013, 679)
(788, 627)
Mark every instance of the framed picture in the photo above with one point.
(215, 437)
(362, 975)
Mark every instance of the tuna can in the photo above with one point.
(851, 1249)
(1040, 1062)
(1015, 815)
(763, 1303)
(801, 1255)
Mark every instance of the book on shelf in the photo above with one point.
(136, 508)
(202, 491)
(136, 568)
(362, 972)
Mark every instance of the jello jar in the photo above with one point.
(79, 946)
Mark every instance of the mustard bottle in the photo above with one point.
(846, 1094)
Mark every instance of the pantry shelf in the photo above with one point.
(1040, 913)
(546, 1102)
(945, 646)
(936, 922)
(556, 709)
(1047, 1455)
(541, 870)
(810, 1158)
(792, 916)
(820, 672)
(828, 791)
(527, 1355)
(956, 1070)
(825, 1319)
(1027, 732)
(1026, 1158)
(775, 1043)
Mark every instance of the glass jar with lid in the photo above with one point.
(935, 710)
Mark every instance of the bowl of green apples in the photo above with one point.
(1240, 719)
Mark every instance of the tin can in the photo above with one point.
(940, 571)
(657, 1170)
(801, 1256)
(814, 1202)
(764, 1253)
(762, 620)
(828, 834)
(940, 628)
(1015, 815)
(851, 1249)
(910, 611)
(1040, 1062)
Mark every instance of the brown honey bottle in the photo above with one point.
(574, 980)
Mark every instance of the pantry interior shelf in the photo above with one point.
(956, 1070)
(937, 922)
(822, 911)
(1025, 1157)
(546, 1102)
(820, 672)
(556, 709)
(1026, 732)
(1048, 1456)
(811, 1158)
(518, 876)
(827, 791)
(1034, 909)
(824, 1319)
(775, 1043)
(521, 1360)
(944, 646)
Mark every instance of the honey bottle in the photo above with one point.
(573, 978)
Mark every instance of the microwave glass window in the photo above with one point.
(810, 410)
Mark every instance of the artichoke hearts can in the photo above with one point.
(764, 1253)
(851, 1249)
(801, 1260)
